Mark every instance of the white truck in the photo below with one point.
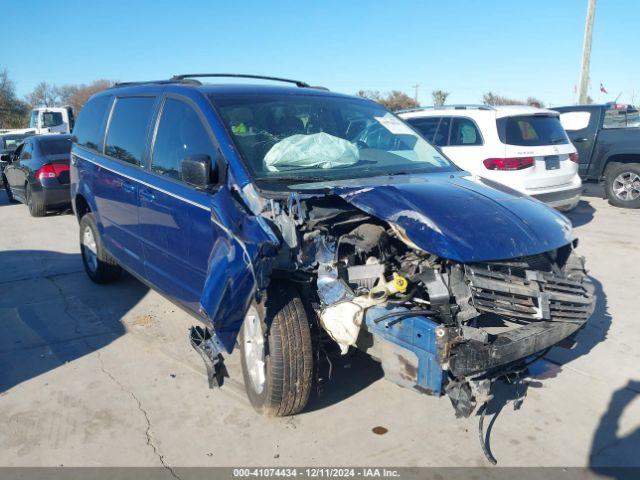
(48, 120)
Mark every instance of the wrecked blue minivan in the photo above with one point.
(284, 218)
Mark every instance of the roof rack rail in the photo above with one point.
(151, 82)
(297, 83)
(462, 106)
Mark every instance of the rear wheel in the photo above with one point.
(99, 265)
(36, 205)
(622, 185)
(276, 354)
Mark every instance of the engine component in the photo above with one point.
(383, 289)
(365, 276)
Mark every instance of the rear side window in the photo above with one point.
(531, 130)
(614, 118)
(128, 128)
(574, 121)
(464, 132)
(89, 129)
(55, 147)
(180, 134)
(434, 129)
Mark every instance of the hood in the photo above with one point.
(463, 218)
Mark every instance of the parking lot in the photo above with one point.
(105, 376)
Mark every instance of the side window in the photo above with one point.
(464, 132)
(25, 154)
(426, 126)
(615, 118)
(127, 132)
(180, 134)
(442, 134)
(89, 129)
(574, 121)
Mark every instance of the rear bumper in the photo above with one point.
(562, 198)
(54, 196)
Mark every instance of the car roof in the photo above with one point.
(223, 89)
(498, 111)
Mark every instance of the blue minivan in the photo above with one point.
(289, 219)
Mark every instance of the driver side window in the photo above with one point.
(180, 135)
(25, 153)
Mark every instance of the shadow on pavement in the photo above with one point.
(608, 449)
(51, 313)
(582, 214)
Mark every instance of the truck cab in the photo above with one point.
(51, 120)
(607, 138)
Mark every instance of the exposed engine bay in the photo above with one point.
(437, 326)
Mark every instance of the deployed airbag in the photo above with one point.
(319, 150)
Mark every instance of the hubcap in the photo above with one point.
(626, 186)
(89, 249)
(254, 349)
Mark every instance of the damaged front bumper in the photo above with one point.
(522, 313)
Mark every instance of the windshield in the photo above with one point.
(292, 139)
(11, 143)
(531, 130)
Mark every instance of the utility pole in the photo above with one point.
(586, 53)
(415, 90)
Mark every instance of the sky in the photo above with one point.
(514, 48)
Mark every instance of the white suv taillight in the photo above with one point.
(574, 157)
(512, 163)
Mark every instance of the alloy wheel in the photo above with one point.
(254, 351)
(626, 186)
(89, 248)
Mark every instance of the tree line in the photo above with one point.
(398, 100)
(14, 111)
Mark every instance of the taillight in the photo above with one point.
(574, 157)
(51, 170)
(514, 163)
(46, 171)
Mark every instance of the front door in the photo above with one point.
(174, 216)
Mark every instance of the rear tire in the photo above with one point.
(99, 265)
(36, 206)
(276, 354)
(622, 185)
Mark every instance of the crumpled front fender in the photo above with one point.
(240, 262)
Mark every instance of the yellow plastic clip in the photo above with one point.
(400, 283)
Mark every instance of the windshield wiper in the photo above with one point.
(556, 140)
(294, 180)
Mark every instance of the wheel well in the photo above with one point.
(82, 207)
(615, 160)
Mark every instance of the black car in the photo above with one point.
(608, 140)
(37, 173)
(8, 144)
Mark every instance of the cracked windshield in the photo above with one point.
(291, 140)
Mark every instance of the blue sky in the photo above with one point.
(511, 47)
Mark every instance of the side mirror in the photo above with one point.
(5, 157)
(198, 171)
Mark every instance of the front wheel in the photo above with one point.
(99, 265)
(622, 185)
(276, 354)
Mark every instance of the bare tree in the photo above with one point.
(490, 98)
(43, 95)
(370, 94)
(82, 93)
(14, 113)
(439, 97)
(393, 100)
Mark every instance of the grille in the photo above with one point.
(534, 295)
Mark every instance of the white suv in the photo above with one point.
(522, 147)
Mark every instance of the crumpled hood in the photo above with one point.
(463, 218)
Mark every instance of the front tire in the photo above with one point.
(7, 189)
(276, 354)
(36, 205)
(99, 265)
(622, 185)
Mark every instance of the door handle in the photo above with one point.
(128, 187)
(580, 139)
(74, 160)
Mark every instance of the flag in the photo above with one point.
(602, 89)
